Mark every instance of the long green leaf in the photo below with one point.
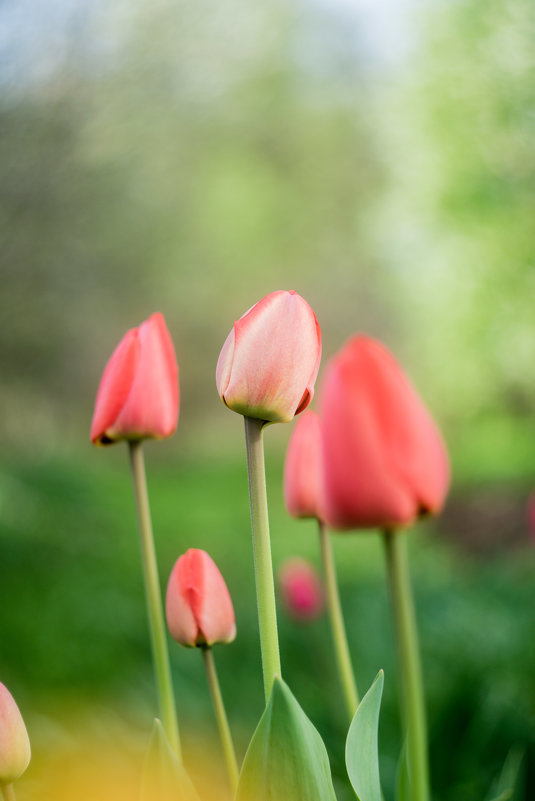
(403, 783)
(164, 777)
(362, 758)
(286, 759)
(504, 787)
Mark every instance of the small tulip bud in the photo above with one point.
(198, 605)
(385, 462)
(301, 589)
(138, 393)
(269, 362)
(14, 743)
(303, 469)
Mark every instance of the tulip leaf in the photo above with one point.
(504, 787)
(164, 777)
(403, 782)
(286, 759)
(362, 758)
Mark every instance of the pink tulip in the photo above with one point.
(138, 393)
(269, 362)
(198, 605)
(14, 743)
(303, 469)
(385, 461)
(301, 589)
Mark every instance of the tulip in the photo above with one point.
(138, 393)
(14, 743)
(269, 362)
(198, 605)
(301, 589)
(385, 462)
(303, 470)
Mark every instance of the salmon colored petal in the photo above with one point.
(303, 470)
(115, 386)
(180, 618)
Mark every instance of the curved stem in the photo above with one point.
(265, 588)
(160, 653)
(221, 718)
(8, 792)
(413, 707)
(341, 647)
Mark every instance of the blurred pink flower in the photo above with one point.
(301, 589)
(384, 458)
(303, 470)
(15, 749)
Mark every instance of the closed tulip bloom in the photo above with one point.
(301, 589)
(14, 743)
(138, 393)
(385, 462)
(198, 605)
(269, 362)
(303, 469)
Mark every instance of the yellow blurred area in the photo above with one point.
(102, 759)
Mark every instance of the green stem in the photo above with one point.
(265, 588)
(160, 653)
(341, 647)
(221, 718)
(8, 792)
(411, 673)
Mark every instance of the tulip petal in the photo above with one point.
(15, 749)
(275, 350)
(303, 471)
(115, 387)
(151, 408)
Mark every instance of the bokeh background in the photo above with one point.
(379, 158)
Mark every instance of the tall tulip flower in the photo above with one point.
(270, 359)
(138, 394)
(385, 461)
(14, 743)
(138, 399)
(266, 371)
(199, 614)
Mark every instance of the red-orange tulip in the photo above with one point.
(198, 605)
(385, 461)
(14, 743)
(138, 393)
(269, 362)
(303, 469)
(301, 589)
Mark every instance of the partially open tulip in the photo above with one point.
(385, 461)
(198, 605)
(301, 589)
(303, 469)
(138, 393)
(14, 743)
(269, 362)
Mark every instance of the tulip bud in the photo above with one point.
(198, 605)
(14, 743)
(269, 362)
(138, 393)
(301, 589)
(303, 469)
(384, 459)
